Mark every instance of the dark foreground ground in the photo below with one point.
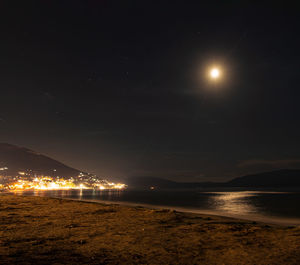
(36, 230)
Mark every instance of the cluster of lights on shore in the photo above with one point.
(25, 182)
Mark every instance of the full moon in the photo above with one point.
(215, 73)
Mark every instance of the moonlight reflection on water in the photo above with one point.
(234, 202)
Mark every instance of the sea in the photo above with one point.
(270, 206)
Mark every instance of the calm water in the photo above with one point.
(276, 207)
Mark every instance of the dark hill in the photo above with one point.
(22, 159)
(18, 159)
(145, 182)
(279, 178)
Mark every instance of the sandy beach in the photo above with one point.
(40, 230)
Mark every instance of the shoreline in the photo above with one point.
(45, 230)
(272, 220)
(250, 218)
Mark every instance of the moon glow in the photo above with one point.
(215, 73)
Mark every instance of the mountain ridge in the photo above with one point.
(275, 178)
(269, 179)
(15, 160)
(20, 159)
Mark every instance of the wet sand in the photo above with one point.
(40, 230)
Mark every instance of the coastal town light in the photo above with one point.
(50, 183)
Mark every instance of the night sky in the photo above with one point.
(120, 88)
